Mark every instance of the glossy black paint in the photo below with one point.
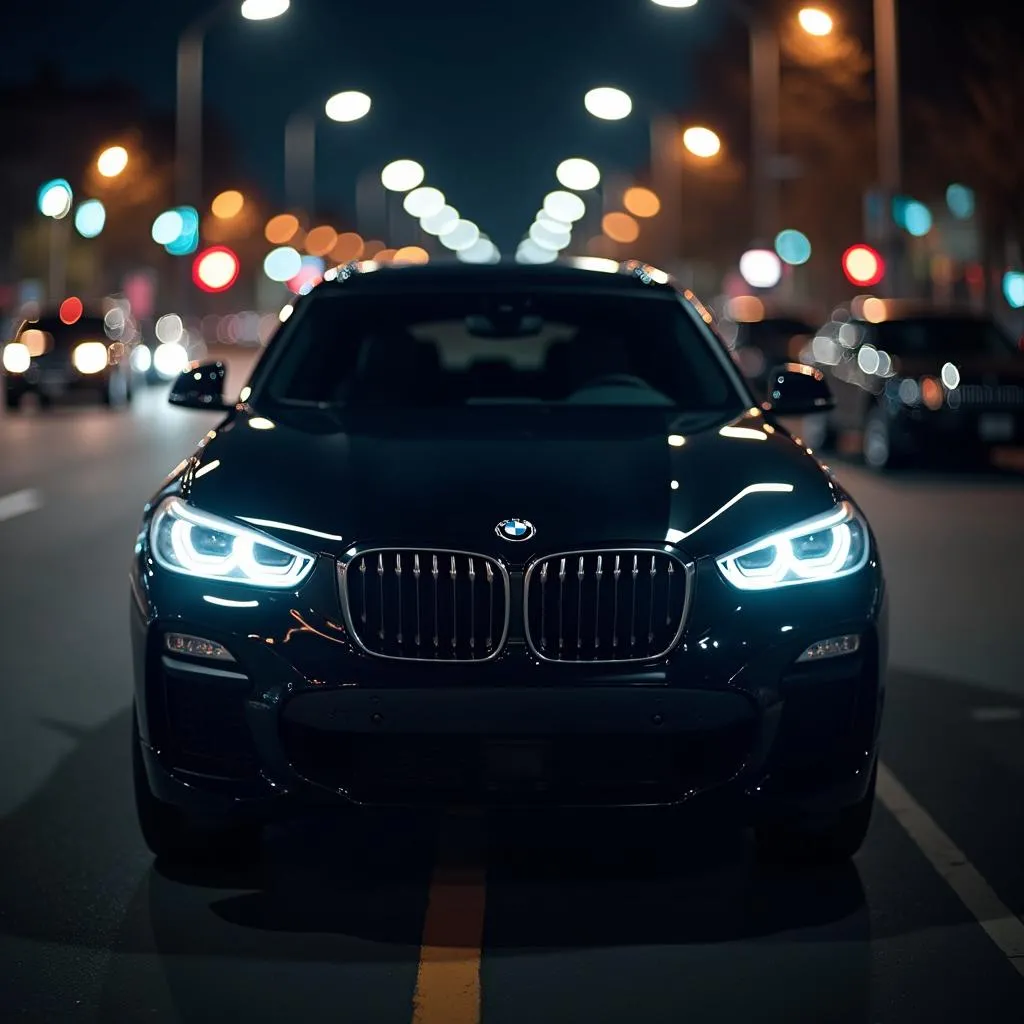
(776, 738)
(798, 390)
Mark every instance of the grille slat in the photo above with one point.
(456, 620)
(607, 621)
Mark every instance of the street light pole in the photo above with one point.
(765, 78)
(300, 161)
(887, 117)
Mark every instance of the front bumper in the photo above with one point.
(728, 720)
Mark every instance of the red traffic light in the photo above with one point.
(863, 266)
(215, 269)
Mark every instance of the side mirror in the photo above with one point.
(798, 390)
(201, 386)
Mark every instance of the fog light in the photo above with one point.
(833, 647)
(196, 647)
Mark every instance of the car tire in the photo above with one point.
(877, 446)
(822, 841)
(172, 837)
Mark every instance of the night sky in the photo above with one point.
(486, 94)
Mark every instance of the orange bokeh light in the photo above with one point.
(281, 229)
(372, 248)
(71, 310)
(227, 204)
(641, 202)
(412, 254)
(385, 255)
(620, 227)
(349, 246)
(321, 240)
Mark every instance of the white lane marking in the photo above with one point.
(18, 503)
(1001, 925)
(996, 714)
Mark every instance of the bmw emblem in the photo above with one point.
(515, 529)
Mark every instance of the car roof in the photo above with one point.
(581, 274)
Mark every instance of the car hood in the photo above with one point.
(581, 478)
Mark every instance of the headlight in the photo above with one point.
(90, 357)
(17, 357)
(195, 543)
(824, 548)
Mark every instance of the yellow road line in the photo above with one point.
(448, 978)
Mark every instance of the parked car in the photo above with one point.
(922, 384)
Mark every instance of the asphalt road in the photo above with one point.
(453, 921)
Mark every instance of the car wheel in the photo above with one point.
(877, 441)
(829, 841)
(171, 836)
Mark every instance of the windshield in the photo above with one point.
(447, 349)
(943, 336)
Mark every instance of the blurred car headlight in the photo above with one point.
(194, 543)
(17, 357)
(169, 359)
(141, 359)
(825, 548)
(90, 357)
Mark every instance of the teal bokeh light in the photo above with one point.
(90, 218)
(1013, 288)
(187, 241)
(793, 247)
(54, 198)
(960, 200)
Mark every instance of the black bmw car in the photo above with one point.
(510, 536)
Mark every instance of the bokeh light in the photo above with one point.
(348, 106)
(917, 219)
(746, 309)
(402, 175)
(815, 22)
(349, 246)
(578, 174)
(760, 268)
(54, 198)
(620, 227)
(1013, 288)
(675, 3)
(411, 254)
(552, 223)
(873, 309)
(549, 239)
(702, 142)
(167, 227)
(484, 251)
(461, 235)
(960, 200)
(70, 311)
(263, 10)
(90, 218)
(169, 328)
(862, 265)
(112, 161)
(372, 248)
(188, 240)
(311, 271)
(281, 229)
(793, 247)
(423, 201)
(321, 240)
(530, 252)
(282, 264)
(565, 207)
(608, 103)
(641, 202)
(439, 222)
(228, 204)
(215, 269)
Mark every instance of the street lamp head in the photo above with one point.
(348, 106)
(608, 103)
(112, 161)
(702, 142)
(264, 10)
(815, 22)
